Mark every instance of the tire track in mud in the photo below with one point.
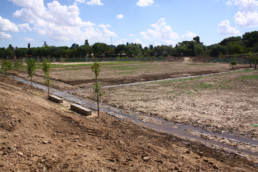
(187, 132)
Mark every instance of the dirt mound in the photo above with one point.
(36, 134)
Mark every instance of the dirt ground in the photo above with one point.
(70, 78)
(38, 135)
(223, 102)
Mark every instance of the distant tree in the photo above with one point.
(74, 46)
(230, 40)
(250, 38)
(97, 86)
(45, 43)
(197, 39)
(31, 67)
(86, 42)
(99, 49)
(28, 45)
(46, 69)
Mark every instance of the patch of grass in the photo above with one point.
(248, 77)
(126, 67)
(200, 64)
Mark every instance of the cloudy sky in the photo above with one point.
(63, 22)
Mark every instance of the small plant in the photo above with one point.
(97, 86)
(232, 64)
(31, 67)
(17, 65)
(5, 66)
(46, 69)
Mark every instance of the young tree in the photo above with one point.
(5, 66)
(97, 86)
(46, 69)
(31, 67)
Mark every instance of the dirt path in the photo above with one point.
(36, 134)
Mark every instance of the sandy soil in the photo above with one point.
(225, 102)
(38, 135)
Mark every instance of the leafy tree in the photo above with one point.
(31, 67)
(250, 38)
(197, 39)
(46, 69)
(99, 49)
(5, 66)
(230, 40)
(97, 86)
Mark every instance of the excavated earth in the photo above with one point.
(38, 135)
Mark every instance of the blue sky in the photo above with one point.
(156, 22)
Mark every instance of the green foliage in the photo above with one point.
(18, 65)
(5, 66)
(31, 67)
(99, 49)
(46, 69)
(248, 77)
(233, 63)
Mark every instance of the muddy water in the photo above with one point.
(161, 125)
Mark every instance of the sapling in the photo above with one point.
(5, 66)
(97, 86)
(46, 69)
(31, 67)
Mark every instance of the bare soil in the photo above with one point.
(224, 102)
(38, 135)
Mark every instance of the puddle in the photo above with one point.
(158, 124)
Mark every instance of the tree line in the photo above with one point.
(229, 46)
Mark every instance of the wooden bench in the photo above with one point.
(55, 98)
(80, 109)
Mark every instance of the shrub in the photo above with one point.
(5, 66)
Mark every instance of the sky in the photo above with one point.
(149, 22)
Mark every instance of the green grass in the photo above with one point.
(126, 67)
(248, 77)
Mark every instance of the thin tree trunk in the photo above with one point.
(98, 103)
(31, 81)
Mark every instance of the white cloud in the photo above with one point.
(247, 14)
(80, 1)
(24, 27)
(60, 22)
(95, 2)
(131, 35)
(189, 35)
(8, 26)
(224, 28)
(145, 3)
(160, 33)
(28, 39)
(120, 16)
(5, 35)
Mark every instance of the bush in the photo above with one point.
(5, 66)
